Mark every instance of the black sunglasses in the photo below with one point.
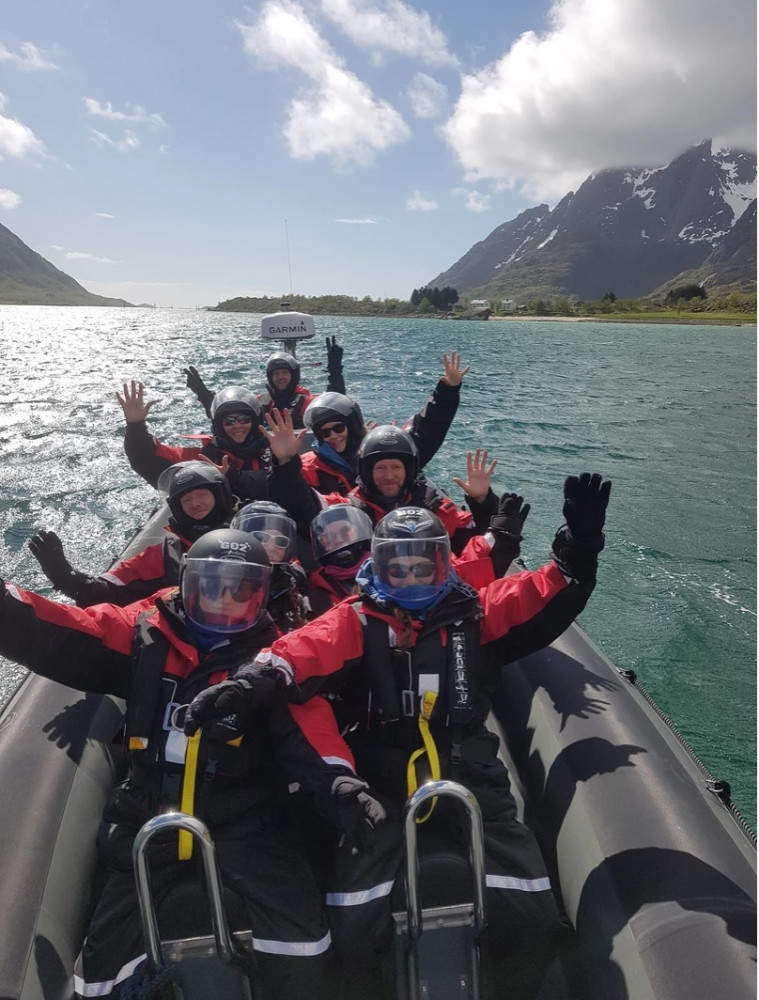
(241, 590)
(325, 432)
(237, 418)
(397, 572)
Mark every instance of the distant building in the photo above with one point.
(478, 305)
(508, 306)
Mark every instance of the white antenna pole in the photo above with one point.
(289, 265)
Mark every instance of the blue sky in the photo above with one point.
(169, 152)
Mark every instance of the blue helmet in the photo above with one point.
(411, 558)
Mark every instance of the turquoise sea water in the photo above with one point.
(668, 413)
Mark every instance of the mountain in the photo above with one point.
(628, 231)
(26, 278)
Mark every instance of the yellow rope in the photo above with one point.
(188, 793)
(429, 748)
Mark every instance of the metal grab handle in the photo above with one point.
(198, 829)
(429, 790)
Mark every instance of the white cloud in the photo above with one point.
(420, 202)
(390, 26)
(9, 199)
(136, 116)
(428, 98)
(29, 59)
(18, 140)
(359, 222)
(104, 215)
(81, 255)
(129, 141)
(475, 201)
(335, 114)
(611, 83)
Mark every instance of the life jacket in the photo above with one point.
(446, 648)
(155, 744)
(323, 477)
(325, 590)
(297, 404)
(174, 547)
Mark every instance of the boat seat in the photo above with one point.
(203, 957)
(440, 915)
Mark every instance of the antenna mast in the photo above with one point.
(289, 265)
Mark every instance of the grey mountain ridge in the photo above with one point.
(630, 231)
(26, 278)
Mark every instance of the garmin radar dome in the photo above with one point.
(411, 558)
(224, 581)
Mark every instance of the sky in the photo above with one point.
(179, 152)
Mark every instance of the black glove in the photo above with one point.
(198, 386)
(226, 708)
(347, 804)
(585, 502)
(334, 357)
(47, 549)
(512, 513)
(576, 546)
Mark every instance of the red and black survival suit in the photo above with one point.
(384, 696)
(146, 655)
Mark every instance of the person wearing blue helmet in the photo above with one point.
(410, 665)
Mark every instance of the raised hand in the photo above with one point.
(586, 498)
(47, 549)
(198, 386)
(334, 356)
(284, 440)
(512, 513)
(133, 402)
(453, 373)
(478, 475)
(222, 467)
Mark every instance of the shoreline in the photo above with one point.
(671, 321)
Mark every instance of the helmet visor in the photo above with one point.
(413, 569)
(224, 595)
(339, 527)
(277, 533)
(183, 475)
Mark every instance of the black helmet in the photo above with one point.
(411, 539)
(335, 406)
(183, 478)
(233, 401)
(224, 581)
(271, 525)
(283, 360)
(387, 441)
(341, 535)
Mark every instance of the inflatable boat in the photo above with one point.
(654, 868)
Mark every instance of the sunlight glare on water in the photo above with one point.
(667, 413)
